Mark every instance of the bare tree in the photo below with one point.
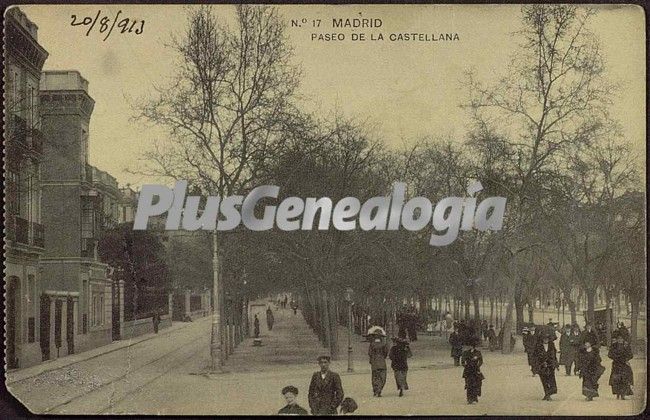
(553, 96)
(227, 110)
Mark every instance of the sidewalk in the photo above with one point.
(61, 362)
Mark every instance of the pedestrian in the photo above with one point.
(624, 332)
(156, 321)
(449, 323)
(290, 394)
(590, 370)
(546, 364)
(576, 340)
(590, 335)
(325, 389)
(484, 329)
(256, 326)
(348, 406)
(568, 348)
(472, 361)
(621, 378)
(491, 337)
(399, 354)
(377, 353)
(456, 343)
(528, 339)
(269, 318)
(284, 302)
(402, 321)
(294, 306)
(412, 323)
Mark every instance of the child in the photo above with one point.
(472, 361)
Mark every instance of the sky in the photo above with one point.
(405, 90)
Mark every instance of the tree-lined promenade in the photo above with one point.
(541, 136)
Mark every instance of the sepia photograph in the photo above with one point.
(325, 209)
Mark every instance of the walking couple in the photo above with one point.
(398, 354)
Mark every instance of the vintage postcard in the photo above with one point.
(325, 209)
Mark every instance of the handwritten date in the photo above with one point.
(105, 24)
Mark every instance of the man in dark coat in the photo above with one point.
(546, 364)
(568, 348)
(456, 346)
(530, 346)
(590, 335)
(290, 393)
(377, 353)
(325, 389)
(472, 361)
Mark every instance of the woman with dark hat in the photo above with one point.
(621, 377)
(472, 361)
(399, 354)
(546, 364)
(590, 370)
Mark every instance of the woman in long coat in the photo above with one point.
(590, 370)
(377, 352)
(472, 361)
(399, 354)
(621, 378)
(546, 364)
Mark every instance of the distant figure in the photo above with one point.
(348, 406)
(256, 327)
(156, 321)
(377, 353)
(325, 389)
(456, 343)
(472, 361)
(590, 370)
(590, 335)
(624, 333)
(399, 354)
(621, 378)
(290, 393)
(269, 318)
(294, 306)
(491, 335)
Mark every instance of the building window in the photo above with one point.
(97, 318)
(87, 219)
(32, 106)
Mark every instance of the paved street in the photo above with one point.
(163, 375)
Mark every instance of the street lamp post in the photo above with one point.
(348, 299)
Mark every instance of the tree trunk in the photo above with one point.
(519, 311)
(507, 325)
(324, 319)
(333, 327)
(634, 316)
(477, 312)
(491, 310)
(591, 303)
(216, 336)
(466, 305)
(531, 310)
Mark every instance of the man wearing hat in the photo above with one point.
(377, 353)
(325, 389)
(456, 343)
(290, 393)
(546, 364)
(568, 346)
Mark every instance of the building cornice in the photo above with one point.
(21, 45)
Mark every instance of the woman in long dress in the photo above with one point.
(399, 354)
(621, 379)
(590, 370)
(472, 361)
(546, 363)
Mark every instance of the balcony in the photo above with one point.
(38, 233)
(22, 230)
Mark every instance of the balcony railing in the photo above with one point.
(22, 230)
(38, 235)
